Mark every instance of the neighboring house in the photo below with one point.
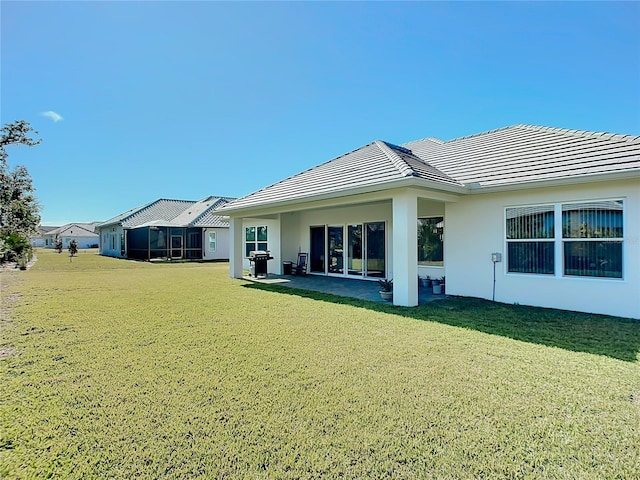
(168, 229)
(559, 208)
(83, 233)
(39, 240)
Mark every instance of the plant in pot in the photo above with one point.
(437, 286)
(386, 289)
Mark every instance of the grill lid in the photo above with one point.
(259, 253)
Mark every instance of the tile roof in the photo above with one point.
(174, 213)
(373, 164)
(512, 155)
(201, 213)
(74, 230)
(526, 153)
(44, 229)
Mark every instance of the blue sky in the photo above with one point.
(137, 101)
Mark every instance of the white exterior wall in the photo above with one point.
(290, 240)
(273, 242)
(83, 242)
(475, 227)
(222, 244)
(105, 241)
(38, 242)
(235, 247)
(405, 256)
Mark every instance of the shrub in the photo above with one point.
(15, 247)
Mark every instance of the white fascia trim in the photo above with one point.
(421, 184)
(558, 182)
(105, 225)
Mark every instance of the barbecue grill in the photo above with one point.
(258, 260)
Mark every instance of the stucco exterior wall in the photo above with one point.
(38, 242)
(83, 242)
(273, 241)
(107, 245)
(475, 227)
(290, 243)
(222, 244)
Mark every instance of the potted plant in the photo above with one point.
(386, 289)
(437, 287)
(427, 282)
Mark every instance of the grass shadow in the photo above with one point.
(613, 337)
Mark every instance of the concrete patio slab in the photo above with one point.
(345, 287)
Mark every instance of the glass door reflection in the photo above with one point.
(354, 259)
(336, 249)
(376, 250)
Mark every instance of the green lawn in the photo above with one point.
(119, 369)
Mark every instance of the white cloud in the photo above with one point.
(56, 117)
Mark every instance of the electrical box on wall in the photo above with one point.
(496, 257)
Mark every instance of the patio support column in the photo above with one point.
(405, 249)
(235, 247)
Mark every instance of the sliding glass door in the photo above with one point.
(376, 249)
(317, 252)
(361, 254)
(336, 249)
(354, 259)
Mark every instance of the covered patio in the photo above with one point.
(352, 288)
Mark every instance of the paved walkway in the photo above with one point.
(346, 287)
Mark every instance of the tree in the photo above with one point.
(73, 247)
(19, 209)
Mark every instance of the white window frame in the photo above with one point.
(559, 240)
(255, 243)
(620, 240)
(213, 241)
(426, 263)
(552, 240)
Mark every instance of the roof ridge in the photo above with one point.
(211, 207)
(137, 211)
(426, 139)
(390, 151)
(582, 133)
(561, 131)
(69, 226)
